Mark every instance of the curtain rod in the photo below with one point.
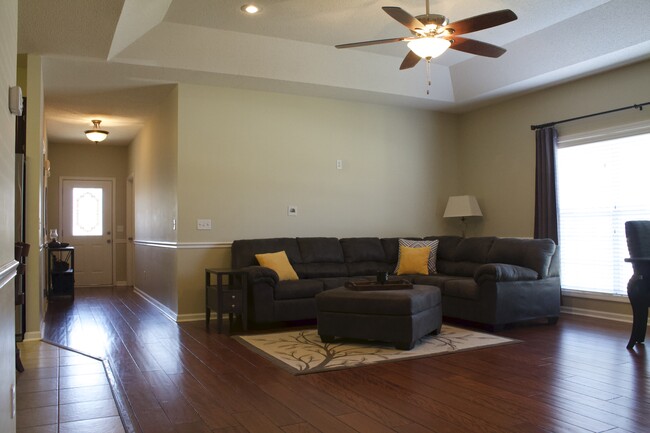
(557, 122)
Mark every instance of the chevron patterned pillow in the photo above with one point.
(419, 244)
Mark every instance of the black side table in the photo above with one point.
(226, 298)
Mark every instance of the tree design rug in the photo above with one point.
(302, 351)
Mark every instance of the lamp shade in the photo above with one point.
(462, 206)
(429, 47)
(96, 134)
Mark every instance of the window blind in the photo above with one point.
(601, 185)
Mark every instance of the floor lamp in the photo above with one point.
(462, 206)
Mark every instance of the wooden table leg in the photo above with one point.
(19, 363)
(638, 291)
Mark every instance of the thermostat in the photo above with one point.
(16, 100)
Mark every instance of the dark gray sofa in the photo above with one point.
(487, 280)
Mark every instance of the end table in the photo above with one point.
(225, 298)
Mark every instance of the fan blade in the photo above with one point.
(475, 47)
(480, 22)
(410, 60)
(404, 18)
(363, 44)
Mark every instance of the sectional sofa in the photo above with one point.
(486, 280)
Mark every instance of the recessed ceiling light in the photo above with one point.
(251, 9)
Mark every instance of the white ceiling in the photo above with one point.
(115, 59)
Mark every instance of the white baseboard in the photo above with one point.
(195, 317)
(162, 308)
(32, 336)
(597, 314)
(121, 283)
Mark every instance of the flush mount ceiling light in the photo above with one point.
(96, 134)
(251, 9)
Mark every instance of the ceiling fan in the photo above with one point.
(432, 34)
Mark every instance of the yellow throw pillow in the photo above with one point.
(279, 262)
(413, 260)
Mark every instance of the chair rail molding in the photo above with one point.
(183, 245)
(7, 272)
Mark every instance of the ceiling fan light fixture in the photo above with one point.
(96, 134)
(430, 47)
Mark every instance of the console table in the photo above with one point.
(60, 271)
(224, 297)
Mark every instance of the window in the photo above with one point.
(87, 211)
(603, 181)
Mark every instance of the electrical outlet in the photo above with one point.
(339, 164)
(203, 224)
(292, 210)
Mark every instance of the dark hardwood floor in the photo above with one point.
(575, 376)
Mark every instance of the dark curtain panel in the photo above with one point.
(546, 224)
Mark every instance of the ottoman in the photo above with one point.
(400, 317)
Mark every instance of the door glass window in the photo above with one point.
(87, 212)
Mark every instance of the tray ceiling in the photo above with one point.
(116, 59)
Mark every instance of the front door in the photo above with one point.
(86, 224)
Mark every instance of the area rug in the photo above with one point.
(302, 351)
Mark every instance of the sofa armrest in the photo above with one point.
(495, 272)
(260, 274)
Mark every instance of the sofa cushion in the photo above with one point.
(319, 270)
(535, 254)
(279, 262)
(473, 249)
(368, 268)
(461, 269)
(437, 280)
(297, 289)
(332, 283)
(496, 272)
(413, 260)
(446, 246)
(461, 288)
(363, 250)
(325, 250)
(431, 244)
(243, 251)
(391, 249)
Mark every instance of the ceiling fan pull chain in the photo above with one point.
(428, 74)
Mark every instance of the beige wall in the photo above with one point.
(498, 150)
(244, 156)
(153, 160)
(34, 208)
(498, 146)
(8, 41)
(91, 161)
